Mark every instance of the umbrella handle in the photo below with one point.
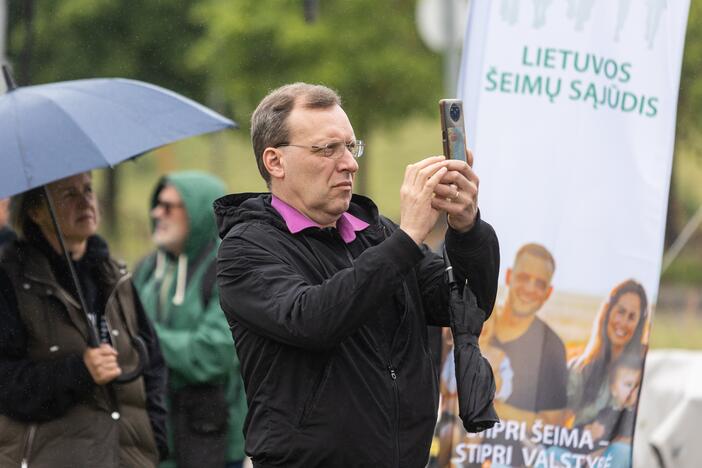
(125, 378)
(93, 340)
(450, 277)
(143, 354)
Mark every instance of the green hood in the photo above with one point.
(198, 190)
(193, 332)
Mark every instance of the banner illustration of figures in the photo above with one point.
(570, 108)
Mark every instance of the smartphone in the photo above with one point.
(453, 132)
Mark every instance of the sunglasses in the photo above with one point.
(167, 206)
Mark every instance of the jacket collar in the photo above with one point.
(41, 262)
(234, 209)
(347, 224)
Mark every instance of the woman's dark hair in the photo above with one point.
(595, 360)
(20, 208)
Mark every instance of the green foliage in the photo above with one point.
(367, 50)
(73, 39)
(686, 269)
(229, 54)
(236, 51)
(688, 173)
(690, 102)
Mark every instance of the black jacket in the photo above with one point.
(332, 337)
(7, 235)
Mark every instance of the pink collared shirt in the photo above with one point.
(347, 224)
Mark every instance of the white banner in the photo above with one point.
(570, 111)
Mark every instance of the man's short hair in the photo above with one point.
(269, 120)
(537, 250)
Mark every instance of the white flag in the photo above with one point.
(570, 109)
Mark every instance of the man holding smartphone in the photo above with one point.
(329, 302)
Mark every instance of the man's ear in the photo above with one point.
(272, 161)
(508, 276)
(548, 293)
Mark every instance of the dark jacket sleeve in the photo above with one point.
(272, 298)
(34, 390)
(475, 256)
(155, 380)
(434, 290)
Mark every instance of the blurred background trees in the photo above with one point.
(228, 54)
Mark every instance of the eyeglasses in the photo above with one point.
(334, 149)
(167, 206)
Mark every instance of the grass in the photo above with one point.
(676, 330)
(686, 268)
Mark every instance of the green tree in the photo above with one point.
(72, 39)
(690, 102)
(231, 53)
(688, 136)
(367, 50)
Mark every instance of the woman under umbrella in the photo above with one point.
(58, 397)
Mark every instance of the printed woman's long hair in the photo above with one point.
(597, 356)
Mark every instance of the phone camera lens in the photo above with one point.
(455, 112)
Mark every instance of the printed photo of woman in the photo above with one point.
(618, 328)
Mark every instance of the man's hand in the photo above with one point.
(417, 211)
(457, 194)
(102, 364)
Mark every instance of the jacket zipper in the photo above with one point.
(110, 298)
(393, 375)
(396, 425)
(69, 299)
(28, 445)
(109, 392)
(391, 368)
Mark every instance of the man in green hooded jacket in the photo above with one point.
(176, 284)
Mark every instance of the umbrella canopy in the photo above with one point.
(49, 132)
(52, 131)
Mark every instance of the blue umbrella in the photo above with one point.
(52, 131)
(49, 132)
